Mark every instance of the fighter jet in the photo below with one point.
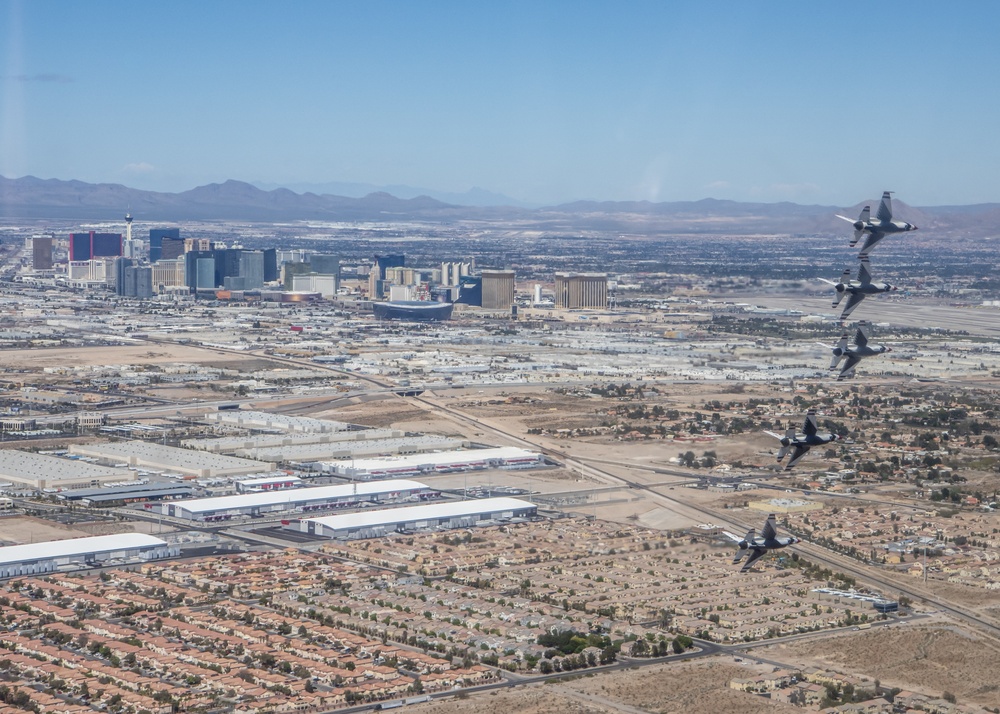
(858, 289)
(757, 547)
(799, 444)
(878, 228)
(855, 354)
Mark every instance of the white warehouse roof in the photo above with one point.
(76, 546)
(443, 458)
(295, 495)
(451, 509)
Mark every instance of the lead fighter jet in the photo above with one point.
(855, 354)
(858, 289)
(799, 444)
(757, 547)
(878, 228)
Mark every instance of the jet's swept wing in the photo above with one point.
(860, 338)
(754, 557)
(885, 208)
(852, 302)
(847, 372)
(769, 531)
(798, 451)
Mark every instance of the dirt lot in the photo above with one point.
(18, 530)
(25, 529)
(701, 688)
(127, 354)
(926, 659)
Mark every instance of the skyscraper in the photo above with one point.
(582, 290)
(156, 236)
(270, 265)
(41, 252)
(498, 289)
(87, 246)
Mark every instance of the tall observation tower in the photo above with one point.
(129, 248)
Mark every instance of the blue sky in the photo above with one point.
(825, 103)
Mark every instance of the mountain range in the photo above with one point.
(30, 198)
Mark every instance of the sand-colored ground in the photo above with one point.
(695, 688)
(923, 658)
(26, 529)
(18, 530)
(126, 354)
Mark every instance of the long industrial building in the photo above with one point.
(354, 449)
(38, 558)
(455, 514)
(233, 444)
(223, 508)
(506, 457)
(41, 472)
(277, 422)
(200, 464)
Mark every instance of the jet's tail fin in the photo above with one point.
(863, 220)
(786, 445)
(838, 351)
(845, 280)
(744, 546)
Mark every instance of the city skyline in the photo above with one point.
(543, 104)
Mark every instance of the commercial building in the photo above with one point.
(498, 289)
(232, 444)
(41, 252)
(89, 271)
(452, 273)
(131, 493)
(168, 274)
(132, 280)
(156, 237)
(325, 285)
(505, 457)
(582, 290)
(352, 449)
(87, 246)
(277, 422)
(413, 311)
(48, 557)
(40, 472)
(274, 482)
(456, 514)
(172, 248)
(199, 464)
(223, 508)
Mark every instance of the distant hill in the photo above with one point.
(473, 197)
(34, 198)
(31, 197)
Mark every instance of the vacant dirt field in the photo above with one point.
(25, 529)
(701, 688)
(126, 354)
(926, 659)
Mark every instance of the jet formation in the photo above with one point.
(757, 547)
(858, 289)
